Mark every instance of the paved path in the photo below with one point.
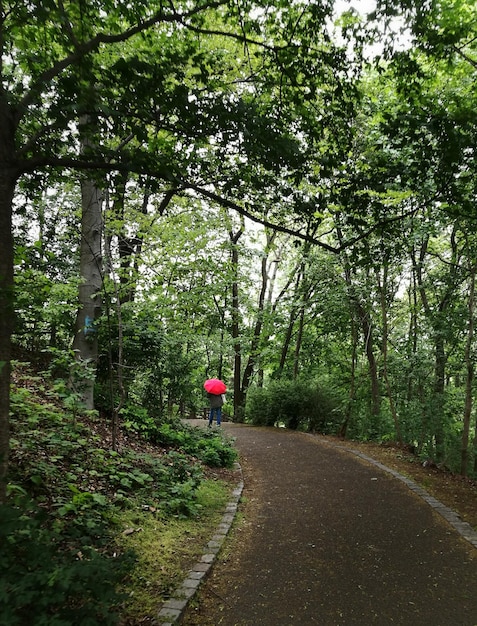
(329, 539)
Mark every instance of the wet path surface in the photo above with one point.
(328, 539)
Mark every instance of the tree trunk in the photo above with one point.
(382, 288)
(238, 394)
(287, 342)
(413, 336)
(359, 311)
(257, 331)
(296, 362)
(85, 341)
(439, 319)
(352, 385)
(439, 395)
(9, 175)
(367, 328)
(464, 463)
(7, 189)
(270, 305)
(291, 323)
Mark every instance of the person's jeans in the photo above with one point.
(218, 414)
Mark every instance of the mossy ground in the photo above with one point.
(166, 549)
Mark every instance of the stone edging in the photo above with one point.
(464, 529)
(172, 610)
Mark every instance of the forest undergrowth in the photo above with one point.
(95, 535)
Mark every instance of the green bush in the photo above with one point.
(211, 446)
(216, 450)
(294, 404)
(49, 579)
(259, 410)
(136, 419)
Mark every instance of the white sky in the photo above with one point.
(362, 6)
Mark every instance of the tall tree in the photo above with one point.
(41, 88)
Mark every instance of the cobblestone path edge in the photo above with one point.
(172, 610)
(464, 529)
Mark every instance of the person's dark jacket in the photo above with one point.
(215, 401)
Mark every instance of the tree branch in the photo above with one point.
(179, 186)
(465, 56)
(243, 211)
(85, 48)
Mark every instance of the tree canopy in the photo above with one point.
(275, 193)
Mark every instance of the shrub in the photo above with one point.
(212, 447)
(259, 409)
(136, 419)
(294, 404)
(48, 580)
(216, 450)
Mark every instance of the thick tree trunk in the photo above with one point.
(86, 340)
(9, 175)
(85, 343)
(7, 188)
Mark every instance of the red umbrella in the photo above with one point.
(215, 386)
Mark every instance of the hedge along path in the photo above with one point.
(334, 539)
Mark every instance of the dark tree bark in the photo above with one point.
(7, 188)
(9, 174)
(238, 395)
(352, 385)
(257, 331)
(469, 365)
(383, 288)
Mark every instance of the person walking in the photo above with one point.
(216, 402)
(215, 389)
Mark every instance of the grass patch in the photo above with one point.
(166, 549)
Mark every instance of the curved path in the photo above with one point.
(330, 539)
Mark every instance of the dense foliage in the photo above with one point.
(68, 491)
(299, 404)
(284, 195)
